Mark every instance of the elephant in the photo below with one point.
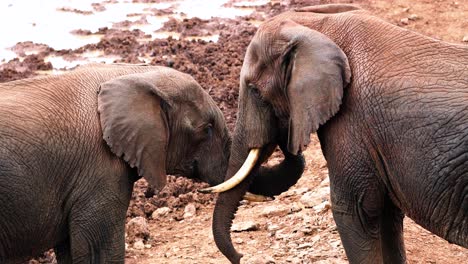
(72, 145)
(390, 109)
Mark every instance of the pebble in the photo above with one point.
(323, 207)
(139, 245)
(160, 212)
(275, 210)
(244, 226)
(413, 17)
(404, 21)
(238, 241)
(138, 228)
(311, 199)
(305, 245)
(273, 227)
(190, 211)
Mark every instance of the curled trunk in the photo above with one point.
(261, 180)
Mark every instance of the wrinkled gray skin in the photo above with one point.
(68, 144)
(390, 107)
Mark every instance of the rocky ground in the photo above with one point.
(174, 226)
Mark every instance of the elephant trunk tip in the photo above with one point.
(236, 259)
(224, 243)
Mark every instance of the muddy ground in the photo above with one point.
(174, 226)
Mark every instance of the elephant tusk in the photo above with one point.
(256, 197)
(243, 172)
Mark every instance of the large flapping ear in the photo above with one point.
(317, 71)
(134, 125)
(328, 9)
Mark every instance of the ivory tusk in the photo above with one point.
(256, 198)
(248, 165)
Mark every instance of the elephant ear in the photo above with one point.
(135, 125)
(316, 71)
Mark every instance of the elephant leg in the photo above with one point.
(357, 206)
(372, 232)
(360, 241)
(98, 236)
(63, 253)
(391, 231)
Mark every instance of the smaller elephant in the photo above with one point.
(390, 108)
(71, 147)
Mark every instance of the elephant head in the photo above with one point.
(162, 122)
(292, 81)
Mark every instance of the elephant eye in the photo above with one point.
(209, 130)
(255, 92)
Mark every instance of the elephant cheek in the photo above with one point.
(261, 128)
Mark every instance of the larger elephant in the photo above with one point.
(390, 107)
(71, 147)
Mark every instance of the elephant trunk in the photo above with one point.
(275, 180)
(228, 201)
(255, 129)
(259, 181)
(224, 211)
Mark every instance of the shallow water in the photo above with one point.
(51, 22)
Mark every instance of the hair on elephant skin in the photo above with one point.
(390, 107)
(72, 145)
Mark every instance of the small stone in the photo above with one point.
(323, 207)
(137, 228)
(274, 210)
(238, 241)
(413, 17)
(404, 21)
(147, 246)
(315, 239)
(295, 207)
(465, 38)
(273, 227)
(139, 245)
(305, 245)
(160, 212)
(311, 199)
(335, 243)
(244, 226)
(190, 211)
